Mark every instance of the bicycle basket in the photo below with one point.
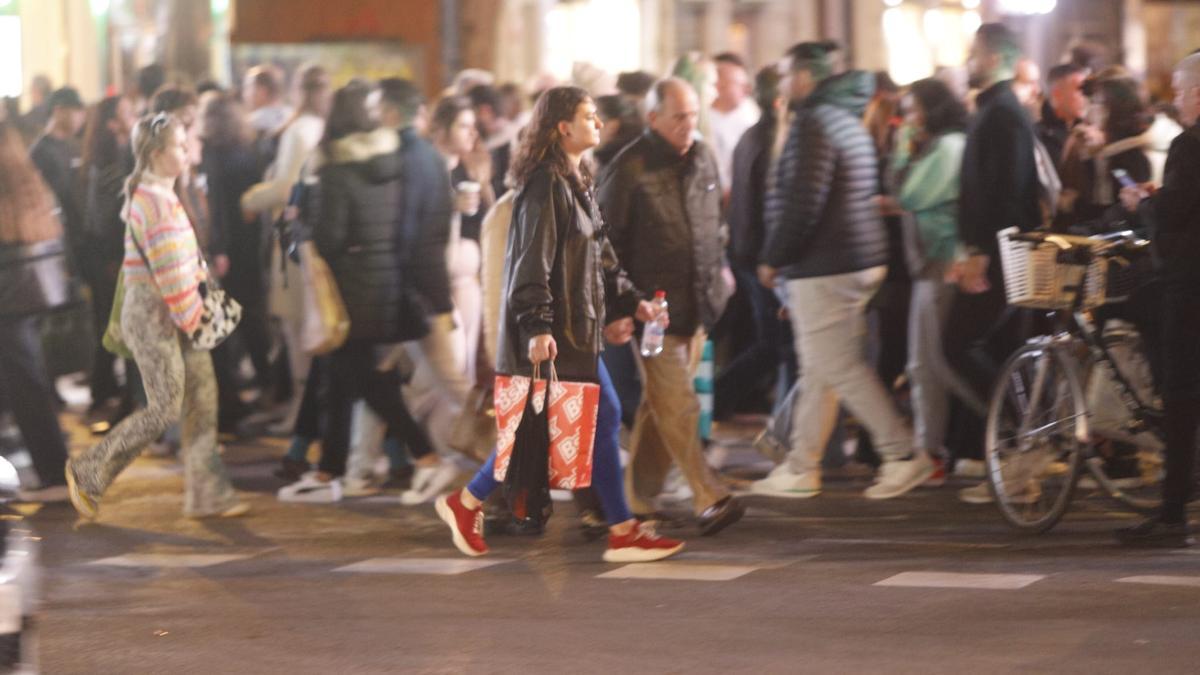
(1035, 278)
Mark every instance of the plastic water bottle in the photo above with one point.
(652, 335)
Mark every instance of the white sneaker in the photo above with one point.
(428, 482)
(781, 482)
(311, 490)
(898, 477)
(970, 468)
(976, 494)
(360, 487)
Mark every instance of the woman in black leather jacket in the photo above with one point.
(564, 294)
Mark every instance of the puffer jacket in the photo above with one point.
(357, 231)
(821, 215)
(561, 278)
(664, 212)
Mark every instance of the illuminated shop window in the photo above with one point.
(10, 54)
(604, 33)
(922, 37)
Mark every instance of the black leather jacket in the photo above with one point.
(561, 277)
(664, 212)
(821, 215)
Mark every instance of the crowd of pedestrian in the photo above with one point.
(834, 235)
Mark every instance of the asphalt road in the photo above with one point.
(836, 584)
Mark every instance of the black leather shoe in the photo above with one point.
(1154, 533)
(592, 525)
(720, 516)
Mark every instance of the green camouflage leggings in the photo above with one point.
(179, 385)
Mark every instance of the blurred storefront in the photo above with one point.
(98, 44)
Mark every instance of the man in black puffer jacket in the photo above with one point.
(827, 239)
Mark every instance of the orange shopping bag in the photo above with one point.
(573, 410)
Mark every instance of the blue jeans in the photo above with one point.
(606, 460)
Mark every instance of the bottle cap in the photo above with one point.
(660, 294)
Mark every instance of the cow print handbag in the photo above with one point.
(220, 316)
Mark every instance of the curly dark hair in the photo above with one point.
(1127, 115)
(939, 106)
(540, 144)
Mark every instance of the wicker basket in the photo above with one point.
(1034, 277)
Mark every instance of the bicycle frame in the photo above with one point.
(1076, 325)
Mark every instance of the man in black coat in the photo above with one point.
(1063, 109)
(424, 232)
(661, 198)
(999, 190)
(57, 156)
(1172, 215)
(752, 158)
(826, 238)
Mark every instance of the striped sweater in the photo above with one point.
(166, 236)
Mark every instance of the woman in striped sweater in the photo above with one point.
(162, 303)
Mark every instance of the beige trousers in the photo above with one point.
(666, 428)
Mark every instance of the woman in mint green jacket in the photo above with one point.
(926, 169)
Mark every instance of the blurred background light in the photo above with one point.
(1026, 6)
(99, 7)
(10, 56)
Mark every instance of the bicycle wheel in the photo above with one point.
(1037, 423)
(1127, 465)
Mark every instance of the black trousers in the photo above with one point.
(102, 380)
(771, 348)
(981, 334)
(30, 394)
(1181, 339)
(352, 375)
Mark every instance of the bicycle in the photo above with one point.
(1040, 425)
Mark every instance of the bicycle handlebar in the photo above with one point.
(1105, 245)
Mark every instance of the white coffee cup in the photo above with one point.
(470, 187)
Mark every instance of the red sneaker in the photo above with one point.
(642, 544)
(466, 525)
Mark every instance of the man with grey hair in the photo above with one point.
(1172, 216)
(661, 199)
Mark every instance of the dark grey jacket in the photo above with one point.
(664, 212)
(821, 215)
(425, 223)
(561, 278)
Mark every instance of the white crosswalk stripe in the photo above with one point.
(1007, 582)
(170, 559)
(680, 571)
(438, 566)
(1162, 580)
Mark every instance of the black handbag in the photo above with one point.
(527, 482)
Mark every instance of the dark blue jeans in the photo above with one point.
(606, 458)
